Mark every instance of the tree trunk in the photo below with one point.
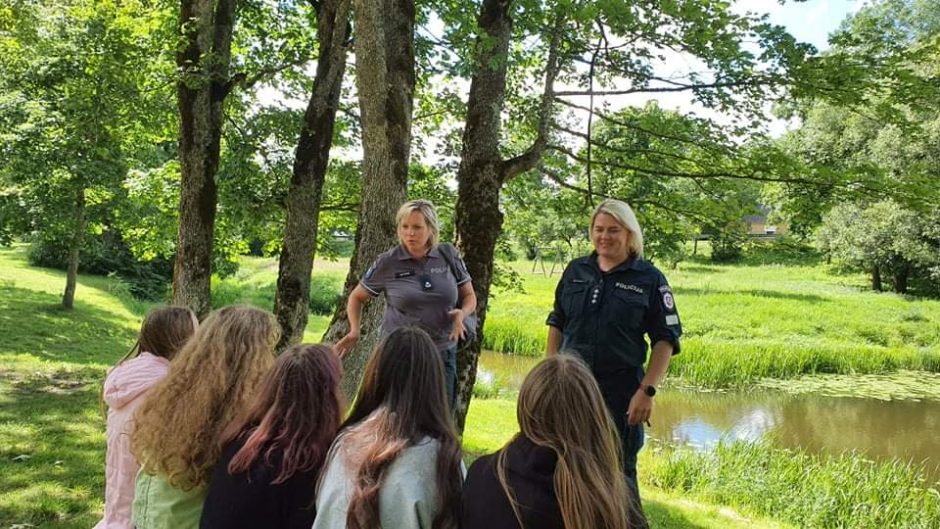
(876, 278)
(204, 83)
(291, 301)
(483, 172)
(900, 279)
(479, 179)
(75, 245)
(385, 78)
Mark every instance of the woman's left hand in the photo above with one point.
(640, 409)
(458, 330)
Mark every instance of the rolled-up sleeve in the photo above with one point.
(662, 318)
(556, 318)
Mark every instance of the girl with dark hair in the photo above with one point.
(396, 462)
(162, 334)
(563, 470)
(272, 457)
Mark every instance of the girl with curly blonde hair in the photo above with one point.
(179, 427)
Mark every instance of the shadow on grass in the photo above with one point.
(760, 293)
(51, 448)
(33, 323)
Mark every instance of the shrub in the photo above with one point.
(325, 294)
(108, 254)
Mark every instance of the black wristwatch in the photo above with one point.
(649, 390)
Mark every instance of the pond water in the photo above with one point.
(904, 430)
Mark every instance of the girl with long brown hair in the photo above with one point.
(563, 469)
(162, 334)
(268, 470)
(179, 427)
(396, 462)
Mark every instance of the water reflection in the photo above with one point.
(909, 431)
(904, 430)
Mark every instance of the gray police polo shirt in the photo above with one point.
(418, 292)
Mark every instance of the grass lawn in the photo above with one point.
(746, 322)
(742, 323)
(52, 427)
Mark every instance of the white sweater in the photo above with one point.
(409, 495)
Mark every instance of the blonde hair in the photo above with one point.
(427, 210)
(624, 215)
(213, 378)
(560, 407)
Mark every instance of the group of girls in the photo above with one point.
(209, 428)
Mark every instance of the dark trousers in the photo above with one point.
(618, 389)
(450, 376)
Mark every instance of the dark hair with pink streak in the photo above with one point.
(296, 414)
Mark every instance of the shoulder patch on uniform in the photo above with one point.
(668, 302)
(665, 288)
(370, 272)
(672, 319)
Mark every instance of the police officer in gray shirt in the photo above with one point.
(422, 282)
(605, 306)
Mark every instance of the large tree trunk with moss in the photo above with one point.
(75, 245)
(203, 61)
(385, 75)
(483, 171)
(291, 301)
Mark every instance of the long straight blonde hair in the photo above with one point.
(560, 407)
(178, 429)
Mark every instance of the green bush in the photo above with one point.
(108, 255)
(325, 294)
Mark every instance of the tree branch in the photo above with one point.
(527, 160)
(634, 126)
(678, 87)
(680, 174)
(624, 150)
(558, 179)
(244, 81)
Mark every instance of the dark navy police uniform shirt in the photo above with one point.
(603, 316)
(418, 292)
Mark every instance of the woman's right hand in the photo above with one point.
(347, 343)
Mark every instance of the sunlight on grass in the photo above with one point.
(742, 323)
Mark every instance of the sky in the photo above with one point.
(811, 21)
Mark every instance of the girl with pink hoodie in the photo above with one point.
(162, 334)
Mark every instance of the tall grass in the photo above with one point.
(806, 490)
(746, 322)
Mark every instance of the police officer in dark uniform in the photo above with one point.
(604, 305)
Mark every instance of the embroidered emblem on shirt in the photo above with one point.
(439, 270)
(370, 271)
(668, 301)
(624, 286)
